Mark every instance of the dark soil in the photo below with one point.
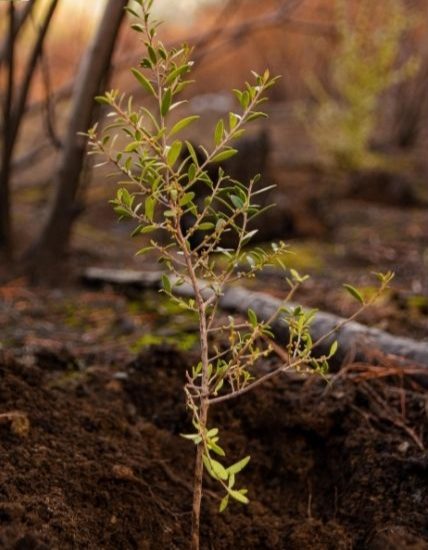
(92, 458)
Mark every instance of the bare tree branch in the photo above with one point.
(278, 17)
(93, 70)
(19, 107)
(20, 19)
(30, 157)
(49, 104)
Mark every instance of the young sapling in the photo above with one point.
(160, 176)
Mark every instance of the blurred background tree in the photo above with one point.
(352, 69)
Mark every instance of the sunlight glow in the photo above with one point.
(167, 9)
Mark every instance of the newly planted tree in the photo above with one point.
(160, 188)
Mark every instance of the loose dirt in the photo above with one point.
(96, 460)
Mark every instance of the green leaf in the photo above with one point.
(252, 317)
(233, 120)
(196, 438)
(148, 229)
(224, 155)
(166, 102)
(217, 449)
(131, 147)
(137, 230)
(238, 466)
(219, 386)
(245, 99)
(149, 208)
(122, 212)
(248, 236)
(219, 131)
(256, 115)
(176, 73)
(239, 497)
(102, 100)
(186, 198)
(174, 152)
(181, 124)
(205, 226)
(354, 293)
(152, 54)
(236, 201)
(144, 250)
(223, 504)
(218, 469)
(192, 153)
(207, 464)
(137, 27)
(145, 82)
(333, 348)
(166, 283)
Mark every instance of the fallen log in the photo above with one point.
(354, 338)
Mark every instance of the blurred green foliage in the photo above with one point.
(367, 63)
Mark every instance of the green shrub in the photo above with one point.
(366, 64)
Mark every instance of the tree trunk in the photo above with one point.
(14, 109)
(91, 76)
(5, 218)
(353, 338)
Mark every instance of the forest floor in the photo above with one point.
(91, 402)
(92, 458)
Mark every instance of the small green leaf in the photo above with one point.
(192, 153)
(238, 466)
(233, 120)
(166, 102)
(137, 230)
(192, 437)
(166, 283)
(181, 124)
(239, 497)
(219, 131)
(137, 27)
(186, 198)
(252, 317)
(205, 226)
(218, 469)
(145, 82)
(152, 54)
(102, 100)
(176, 73)
(236, 201)
(354, 293)
(144, 250)
(333, 348)
(224, 155)
(217, 449)
(149, 208)
(174, 152)
(223, 504)
(148, 229)
(131, 147)
(248, 236)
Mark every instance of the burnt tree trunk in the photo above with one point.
(53, 241)
(14, 110)
(5, 218)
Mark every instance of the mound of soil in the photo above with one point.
(92, 458)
